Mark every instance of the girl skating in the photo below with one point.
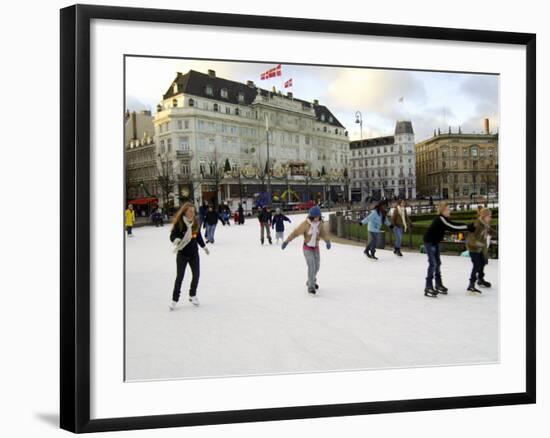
(401, 224)
(432, 238)
(278, 222)
(477, 245)
(186, 237)
(375, 220)
(313, 231)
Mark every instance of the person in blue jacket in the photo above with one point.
(376, 218)
(278, 222)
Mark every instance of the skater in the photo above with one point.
(226, 215)
(203, 209)
(401, 224)
(375, 220)
(312, 230)
(477, 245)
(265, 224)
(210, 222)
(278, 223)
(130, 219)
(186, 237)
(432, 238)
(156, 218)
(240, 210)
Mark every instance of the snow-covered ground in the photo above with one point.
(256, 317)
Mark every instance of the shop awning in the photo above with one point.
(144, 201)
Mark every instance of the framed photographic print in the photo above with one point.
(268, 218)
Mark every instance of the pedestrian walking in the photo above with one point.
(278, 222)
(186, 237)
(312, 229)
(130, 217)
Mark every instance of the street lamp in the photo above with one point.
(359, 119)
(268, 166)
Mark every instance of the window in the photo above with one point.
(322, 117)
(209, 90)
(227, 110)
(175, 103)
(191, 102)
(224, 93)
(236, 111)
(240, 97)
(184, 143)
(186, 124)
(162, 146)
(169, 145)
(180, 124)
(215, 107)
(185, 169)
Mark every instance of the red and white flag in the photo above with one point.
(288, 83)
(272, 72)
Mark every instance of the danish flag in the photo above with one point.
(272, 72)
(288, 83)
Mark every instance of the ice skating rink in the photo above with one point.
(257, 318)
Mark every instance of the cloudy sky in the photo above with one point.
(430, 99)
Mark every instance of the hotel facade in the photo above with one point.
(218, 139)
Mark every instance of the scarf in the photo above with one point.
(187, 236)
(314, 231)
(402, 213)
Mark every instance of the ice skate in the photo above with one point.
(262, 240)
(430, 292)
(269, 239)
(311, 291)
(474, 291)
(172, 305)
(316, 285)
(194, 301)
(481, 282)
(441, 289)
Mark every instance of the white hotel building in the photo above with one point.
(212, 142)
(384, 167)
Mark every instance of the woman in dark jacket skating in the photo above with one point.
(186, 237)
(278, 222)
(432, 239)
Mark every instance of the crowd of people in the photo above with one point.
(187, 239)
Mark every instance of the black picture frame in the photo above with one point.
(75, 217)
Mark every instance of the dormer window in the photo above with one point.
(224, 93)
(240, 96)
(191, 102)
(175, 88)
(330, 119)
(209, 90)
(322, 118)
(175, 103)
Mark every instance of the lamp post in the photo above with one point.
(268, 166)
(359, 119)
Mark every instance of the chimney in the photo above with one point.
(315, 101)
(486, 126)
(134, 126)
(289, 94)
(250, 84)
(273, 89)
(212, 73)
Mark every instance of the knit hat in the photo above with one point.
(484, 212)
(315, 211)
(278, 210)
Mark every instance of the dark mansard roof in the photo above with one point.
(195, 83)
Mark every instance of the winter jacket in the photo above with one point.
(435, 232)
(278, 222)
(212, 218)
(374, 221)
(397, 219)
(477, 239)
(192, 248)
(304, 230)
(265, 217)
(130, 217)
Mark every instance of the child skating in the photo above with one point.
(432, 239)
(477, 245)
(278, 222)
(313, 231)
(186, 237)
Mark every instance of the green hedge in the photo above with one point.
(458, 215)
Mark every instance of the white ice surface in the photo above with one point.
(257, 318)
